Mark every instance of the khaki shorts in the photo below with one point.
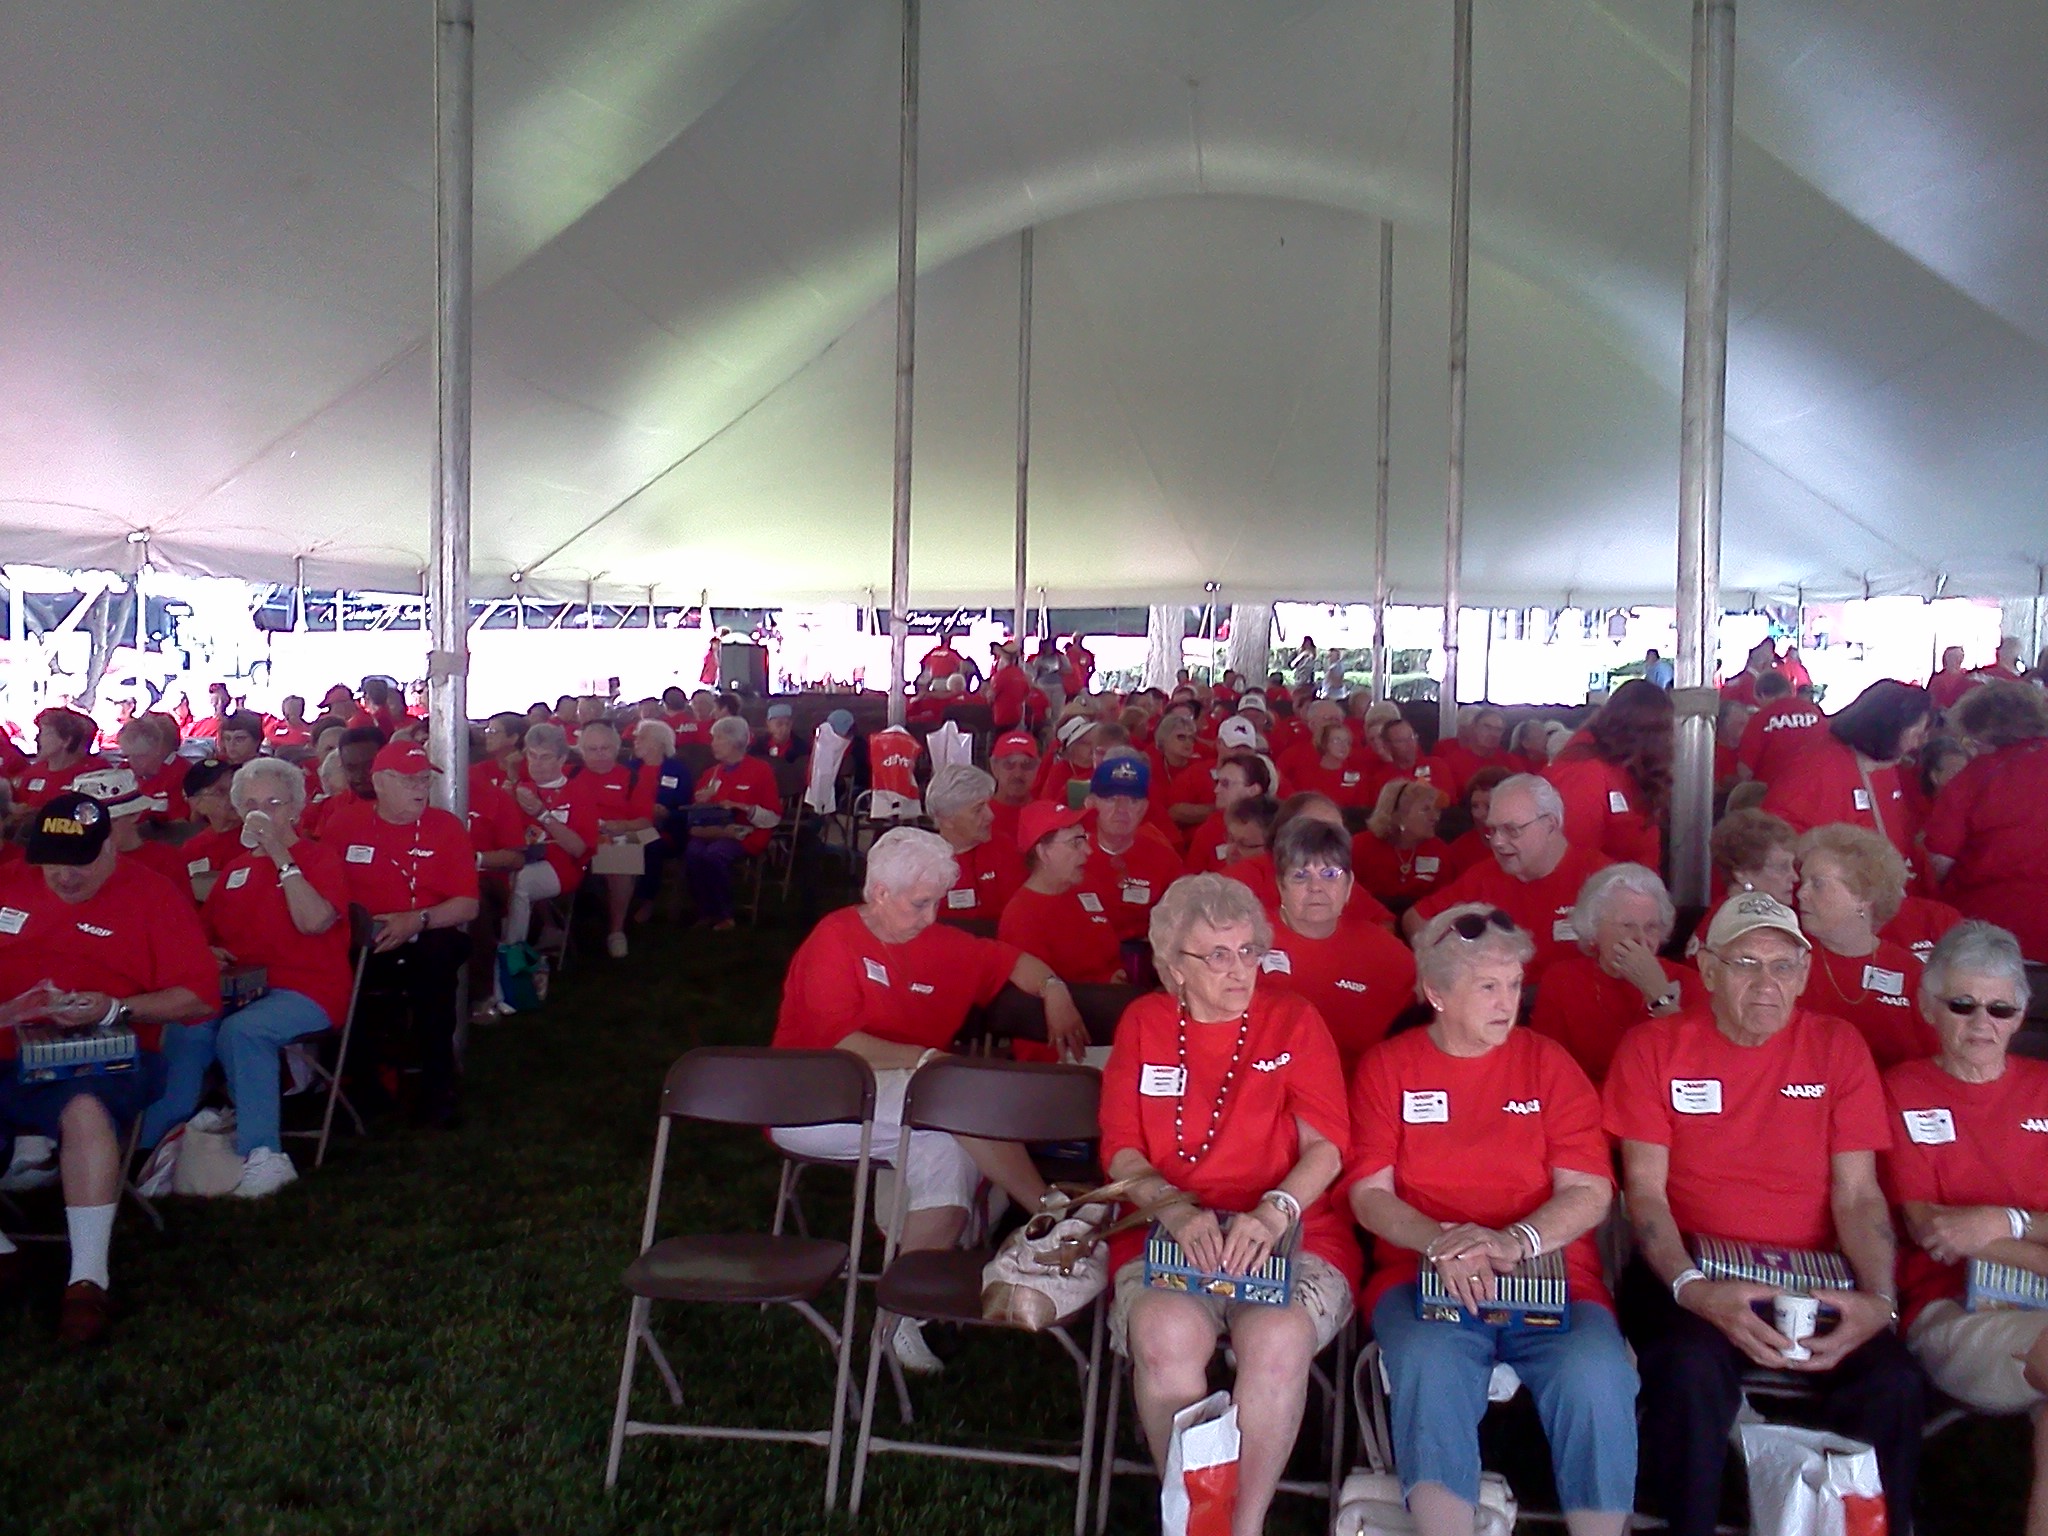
(1320, 1290)
(1969, 1355)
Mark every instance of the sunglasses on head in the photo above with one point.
(1473, 925)
(1963, 1007)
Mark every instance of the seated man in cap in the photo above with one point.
(1130, 865)
(1013, 762)
(1752, 1120)
(91, 941)
(779, 742)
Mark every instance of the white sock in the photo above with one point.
(7, 1244)
(92, 1233)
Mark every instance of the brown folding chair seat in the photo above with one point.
(755, 1087)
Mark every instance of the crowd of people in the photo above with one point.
(1413, 1015)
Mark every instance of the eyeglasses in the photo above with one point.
(1511, 830)
(1748, 968)
(1963, 1007)
(1473, 925)
(1221, 960)
(1329, 873)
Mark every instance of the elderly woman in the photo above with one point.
(64, 740)
(887, 982)
(1475, 1147)
(1850, 771)
(1589, 1000)
(958, 800)
(621, 798)
(1336, 771)
(282, 904)
(1615, 781)
(1988, 837)
(743, 788)
(1050, 916)
(1851, 882)
(654, 751)
(1230, 1095)
(1399, 857)
(1967, 1172)
(150, 754)
(1345, 962)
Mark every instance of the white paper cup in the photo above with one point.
(1795, 1317)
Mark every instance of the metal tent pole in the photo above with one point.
(1381, 473)
(1702, 412)
(906, 363)
(1024, 274)
(1461, 294)
(448, 569)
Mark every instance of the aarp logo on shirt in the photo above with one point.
(1805, 1090)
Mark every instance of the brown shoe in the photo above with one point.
(83, 1316)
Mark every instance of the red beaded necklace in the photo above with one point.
(1180, 1146)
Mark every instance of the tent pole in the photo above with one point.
(1702, 415)
(906, 363)
(1024, 273)
(1381, 481)
(448, 571)
(1461, 294)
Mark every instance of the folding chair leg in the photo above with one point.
(128, 1187)
(636, 1317)
(1107, 1455)
(668, 1374)
(877, 1343)
(1089, 1446)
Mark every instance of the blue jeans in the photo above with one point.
(187, 1051)
(247, 1044)
(1584, 1386)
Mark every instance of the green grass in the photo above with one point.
(424, 1336)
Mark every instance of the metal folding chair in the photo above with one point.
(361, 935)
(756, 1087)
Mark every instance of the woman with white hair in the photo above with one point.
(561, 825)
(1476, 1147)
(887, 982)
(1589, 1000)
(654, 754)
(282, 904)
(1972, 1186)
(958, 799)
(621, 796)
(738, 807)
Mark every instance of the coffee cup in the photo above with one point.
(1796, 1317)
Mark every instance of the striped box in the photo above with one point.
(2004, 1288)
(1270, 1285)
(1534, 1293)
(1783, 1269)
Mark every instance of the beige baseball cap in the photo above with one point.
(1747, 911)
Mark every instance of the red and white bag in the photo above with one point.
(1198, 1495)
(892, 775)
(1806, 1482)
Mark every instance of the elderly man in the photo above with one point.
(990, 868)
(1534, 875)
(91, 942)
(779, 742)
(1754, 1121)
(1477, 745)
(1013, 762)
(413, 867)
(1130, 865)
(1952, 681)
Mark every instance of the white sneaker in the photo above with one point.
(264, 1172)
(34, 1165)
(912, 1353)
(615, 945)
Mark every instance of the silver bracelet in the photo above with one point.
(1684, 1278)
(2018, 1220)
(1289, 1206)
(1531, 1238)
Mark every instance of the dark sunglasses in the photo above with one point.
(1963, 1007)
(1473, 925)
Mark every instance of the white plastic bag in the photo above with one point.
(1198, 1495)
(1806, 1482)
(1371, 1504)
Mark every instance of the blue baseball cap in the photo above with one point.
(1127, 776)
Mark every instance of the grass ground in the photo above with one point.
(424, 1337)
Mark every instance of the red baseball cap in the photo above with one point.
(1040, 819)
(1015, 741)
(407, 757)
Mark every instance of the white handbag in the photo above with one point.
(1371, 1505)
(1058, 1261)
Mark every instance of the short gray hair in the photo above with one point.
(1437, 963)
(662, 729)
(1603, 884)
(547, 737)
(1211, 899)
(1541, 791)
(1974, 945)
(333, 777)
(598, 725)
(906, 858)
(957, 787)
(249, 779)
(731, 728)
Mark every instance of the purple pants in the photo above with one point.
(707, 866)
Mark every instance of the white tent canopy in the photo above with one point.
(216, 287)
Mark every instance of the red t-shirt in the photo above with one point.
(1603, 809)
(1958, 1143)
(1130, 883)
(748, 782)
(1400, 874)
(1358, 979)
(616, 796)
(1003, 827)
(394, 867)
(1823, 784)
(167, 783)
(942, 661)
(1777, 734)
(1460, 762)
(1468, 850)
(281, 734)
(1741, 688)
(1009, 695)
(1946, 688)
(1879, 994)
(1751, 1129)
(1475, 1138)
(990, 874)
(570, 802)
(166, 859)
(496, 822)
(1070, 932)
(1206, 845)
(246, 915)
(37, 783)
(1919, 924)
(1992, 819)
(208, 853)
(133, 935)
(1587, 1011)
(844, 981)
(1541, 908)
(1349, 784)
(1287, 1071)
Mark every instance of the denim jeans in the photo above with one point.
(246, 1043)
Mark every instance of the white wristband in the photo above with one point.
(1684, 1278)
(1289, 1206)
(1531, 1238)
(2018, 1220)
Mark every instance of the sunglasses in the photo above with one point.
(1473, 925)
(1963, 1007)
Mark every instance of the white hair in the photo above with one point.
(662, 729)
(1602, 885)
(333, 777)
(598, 725)
(907, 859)
(1541, 792)
(1439, 960)
(547, 737)
(731, 728)
(957, 787)
(1981, 948)
(248, 780)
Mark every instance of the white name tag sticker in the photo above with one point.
(1562, 932)
(877, 972)
(237, 878)
(1890, 983)
(1929, 1127)
(1617, 803)
(1276, 960)
(1428, 1106)
(200, 866)
(1350, 779)
(1860, 798)
(1137, 892)
(959, 901)
(1162, 1082)
(1428, 865)
(1696, 1095)
(1421, 772)
(12, 919)
(669, 781)
(361, 853)
(1090, 902)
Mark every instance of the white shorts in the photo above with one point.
(1320, 1290)
(939, 1171)
(1970, 1355)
